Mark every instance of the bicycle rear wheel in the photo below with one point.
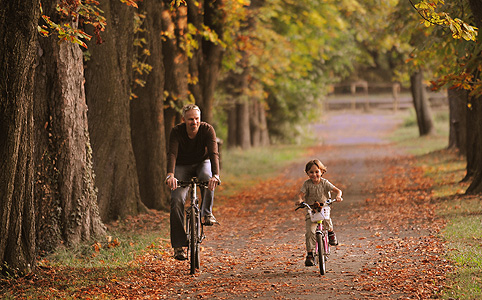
(321, 253)
(193, 241)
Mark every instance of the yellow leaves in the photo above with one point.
(130, 3)
(459, 29)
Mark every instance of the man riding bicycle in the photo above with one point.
(193, 152)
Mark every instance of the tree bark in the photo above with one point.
(458, 120)
(255, 127)
(205, 63)
(474, 147)
(259, 128)
(147, 115)
(108, 88)
(243, 132)
(232, 125)
(67, 210)
(18, 38)
(474, 125)
(421, 104)
(176, 65)
(264, 139)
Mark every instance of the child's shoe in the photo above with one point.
(332, 238)
(310, 260)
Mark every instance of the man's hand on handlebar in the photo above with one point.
(171, 181)
(213, 182)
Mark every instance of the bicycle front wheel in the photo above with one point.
(193, 242)
(321, 253)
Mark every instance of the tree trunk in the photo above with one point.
(259, 128)
(232, 126)
(421, 104)
(474, 122)
(243, 132)
(255, 127)
(264, 141)
(210, 64)
(205, 63)
(67, 210)
(174, 24)
(18, 38)
(474, 147)
(472, 140)
(108, 81)
(147, 115)
(458, 120)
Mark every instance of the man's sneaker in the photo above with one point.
(179, 254)
(332, 238)
(310, 260)
(209, 220)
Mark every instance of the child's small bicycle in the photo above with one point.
(322, 249)
(194, 227)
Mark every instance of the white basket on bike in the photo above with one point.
(320, 215)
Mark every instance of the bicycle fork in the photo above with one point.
(324, 238)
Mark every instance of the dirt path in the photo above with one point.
(258, 251)
(386, 227)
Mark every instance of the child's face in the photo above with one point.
(315, 174)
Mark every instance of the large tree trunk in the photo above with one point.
(421, 104)
(474, 147)
(474, 125)
(458, 120)
(18, 38)
(108, 86)
(67, 210)
(147, 115)
(472, 140)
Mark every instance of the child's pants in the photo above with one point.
(311, 229)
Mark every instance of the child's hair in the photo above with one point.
(316, 162)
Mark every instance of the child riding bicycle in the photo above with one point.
(316, 189)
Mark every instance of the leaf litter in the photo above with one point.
(394, 252)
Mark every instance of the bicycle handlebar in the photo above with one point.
(304, 204)
(193, 181)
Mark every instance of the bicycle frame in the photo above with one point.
(322, 247)
(193, 226)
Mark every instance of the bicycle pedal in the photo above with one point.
(210, 224)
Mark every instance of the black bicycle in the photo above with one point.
(194, 226)
(322, 249)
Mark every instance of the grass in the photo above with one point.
(409, 138)
(241, 168)
(463, 213)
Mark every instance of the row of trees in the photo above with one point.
(84, 122)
